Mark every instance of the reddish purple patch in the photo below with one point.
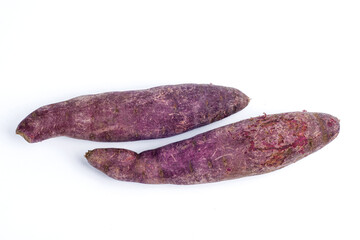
(331, 122)
(300, 141)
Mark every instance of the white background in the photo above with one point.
(285, 55)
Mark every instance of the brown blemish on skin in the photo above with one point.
(209, 163)
(191, 167)
(324, 135)
(269, 123)
(234, 108)
(281, 139)
(275, 161)
(108, 137)
(161, 173)
(106, 168)
(92, 136)
(224, 160)
(278, 158)
(311, 143)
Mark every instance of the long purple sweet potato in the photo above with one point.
(250, 147)
(133, 115)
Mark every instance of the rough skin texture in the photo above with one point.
(250, 147)
(133, 115)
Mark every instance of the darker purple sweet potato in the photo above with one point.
(250, 147)
(133, 115)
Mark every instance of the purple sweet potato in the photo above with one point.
(133, 115)
(250, 147)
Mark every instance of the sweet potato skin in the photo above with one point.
(250, 147)
(133, 115)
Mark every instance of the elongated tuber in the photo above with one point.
(250, 147)
(133, 115)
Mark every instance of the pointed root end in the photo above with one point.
(26, 137)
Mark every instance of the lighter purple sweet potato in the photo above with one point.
(250, 147)
(133, 115)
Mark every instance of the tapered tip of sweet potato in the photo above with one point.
(88, 154)
(26, 137)
(26, 130)
(113, 162)
(329, 125)
(93, 159)
(242, 99)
